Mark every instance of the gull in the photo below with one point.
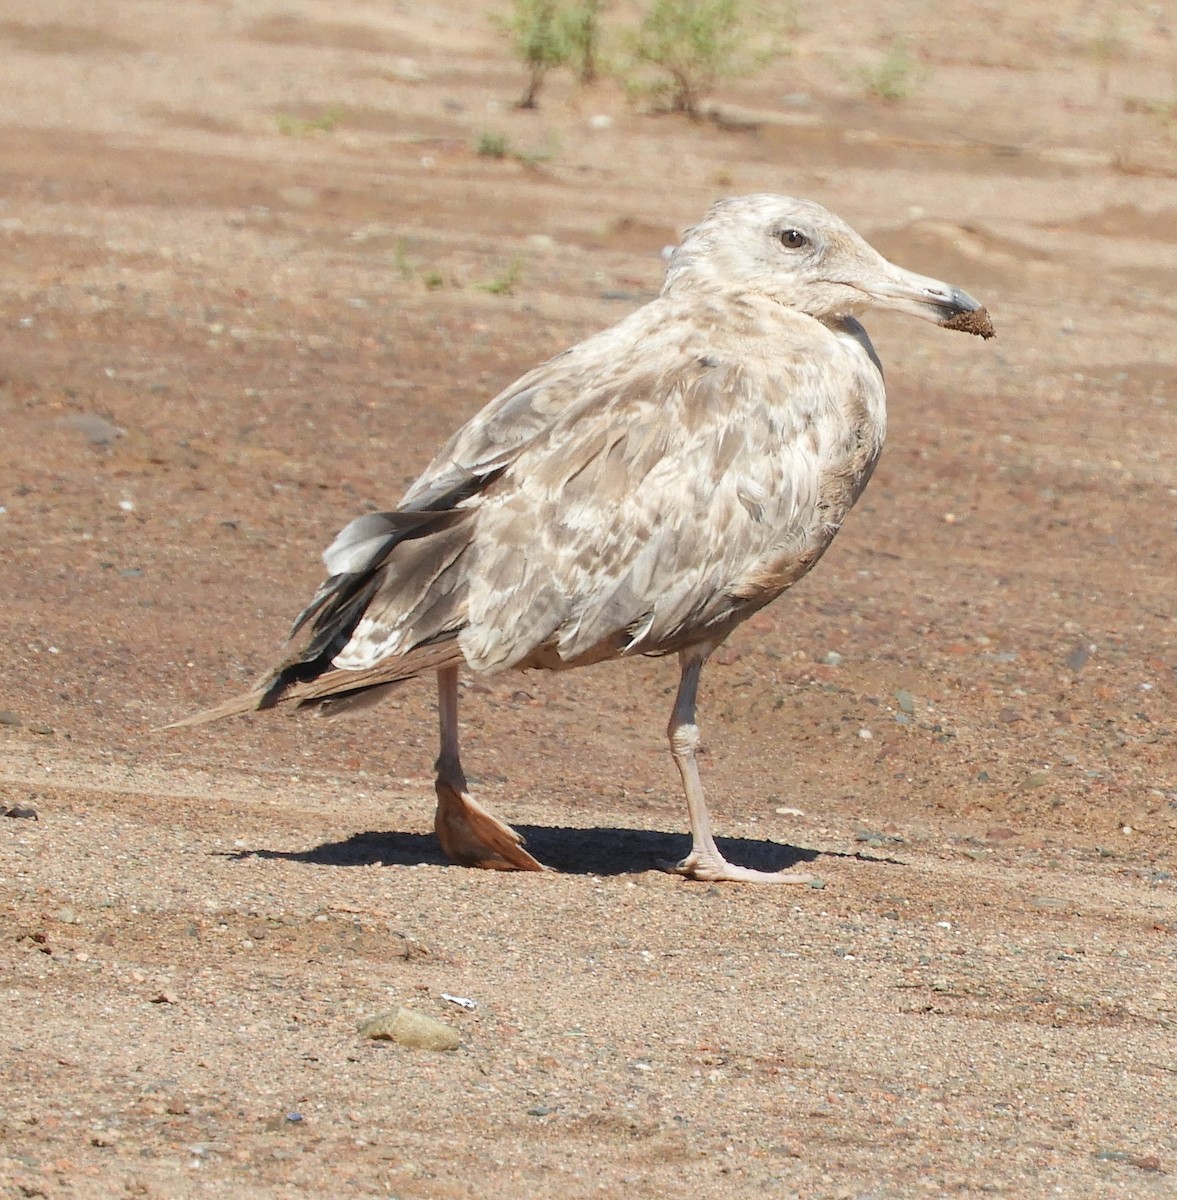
(644, 492)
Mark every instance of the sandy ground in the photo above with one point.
(246, 253)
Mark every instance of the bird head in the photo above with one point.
(806, 258)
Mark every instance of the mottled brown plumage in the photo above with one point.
(642, 493)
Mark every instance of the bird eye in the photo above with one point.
(792, 239)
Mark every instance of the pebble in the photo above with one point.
(406, 70)
(1143, 1162)
(22, 812)
(1078, 657)
(409, 1028)
(906, 701)
(97, 430)
(9, 718)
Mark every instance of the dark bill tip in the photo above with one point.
(975, 320)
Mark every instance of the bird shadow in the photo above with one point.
(573, 850)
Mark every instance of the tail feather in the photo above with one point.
(335, 690)
(405, 570)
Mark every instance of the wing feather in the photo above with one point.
(669, 504)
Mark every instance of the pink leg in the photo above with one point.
(470, 835)
(705, 861)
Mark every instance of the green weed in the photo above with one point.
(695, 45)
(504, 284)
(894, 76)
(290, 126)
(493, 145)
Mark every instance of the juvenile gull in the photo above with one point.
(641, 493)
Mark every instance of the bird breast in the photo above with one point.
(829, 459)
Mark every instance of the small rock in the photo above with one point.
(97, 430)
(539, 1110)
(165, 997)
(43, 730)
(406, 947)
(1078, 657)
(9, 718)
(1010, 715)
(22, 812)
(600, 121)
(1036, 780)
(831, 658)
(874, 838)
(406, 70)
(906, 701)
(409, 1028)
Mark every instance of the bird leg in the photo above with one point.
(705, 861)
(470, 835)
